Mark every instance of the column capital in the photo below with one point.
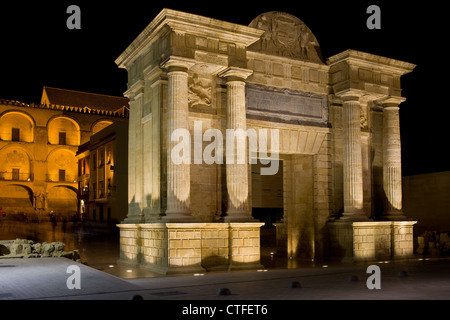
(390, 102)
(175, 63)
(235, 74)
(350, 95)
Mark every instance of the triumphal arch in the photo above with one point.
(324, 131)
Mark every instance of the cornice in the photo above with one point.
(188, 23)
(359, 58)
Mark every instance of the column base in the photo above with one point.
(370, 240)
(239, 216)
(133, 220)
(393, 216)
(178, 217)
(168, 248)
(354, 217)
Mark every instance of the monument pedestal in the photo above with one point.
(370, 240)
(168, 248)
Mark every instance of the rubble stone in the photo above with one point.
(24, 248)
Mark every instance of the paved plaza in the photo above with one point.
(46, 279)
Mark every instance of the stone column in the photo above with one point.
(392, 163)
(352, 160)
(135, 94)
(178, 175)
(236, 162)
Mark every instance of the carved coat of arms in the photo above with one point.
(15, 157)
(286, 36)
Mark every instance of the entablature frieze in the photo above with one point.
(374, 75)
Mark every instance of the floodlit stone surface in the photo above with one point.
(338, 142)
(190, 247)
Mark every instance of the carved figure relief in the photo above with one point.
(287, 36)
(363, 117)
(39, 200)
(200, 92)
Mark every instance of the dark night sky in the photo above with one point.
(38, 50)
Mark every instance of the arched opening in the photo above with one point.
(62, 202)
(15, 164)
(62, 166)
(100, 125)
(16, 200)
(16, 126)
(63, 131)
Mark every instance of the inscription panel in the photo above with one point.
(287, 106)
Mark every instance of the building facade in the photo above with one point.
(38, 143)
(102, 175)
(332, 123)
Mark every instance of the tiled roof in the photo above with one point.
(63, 97)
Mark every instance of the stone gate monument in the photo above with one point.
(338, 145)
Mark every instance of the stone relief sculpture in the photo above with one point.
(363, 117)
(62, 161)
(287, 36)
(39, 200)
(15, 157)
(199, 91)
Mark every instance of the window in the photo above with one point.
(15, 174)
(15, 134)
(83, 167)
(94, 190)
(62, 175)
(94, 162)
(108, 154)
(62, 138)
(101, 189)
(102, 158)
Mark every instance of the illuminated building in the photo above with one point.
(339, 145)
(102, 175)
(38, 143)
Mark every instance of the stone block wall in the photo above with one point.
(402, 235)
(152, 246)
(129, 239)
(190, 247)
(358, 241)
(372, 240)
(245, 244)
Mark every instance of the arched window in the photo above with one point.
(62, 166)
(16, 126)
(100, 125)
(15, 164)
(63, 131)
